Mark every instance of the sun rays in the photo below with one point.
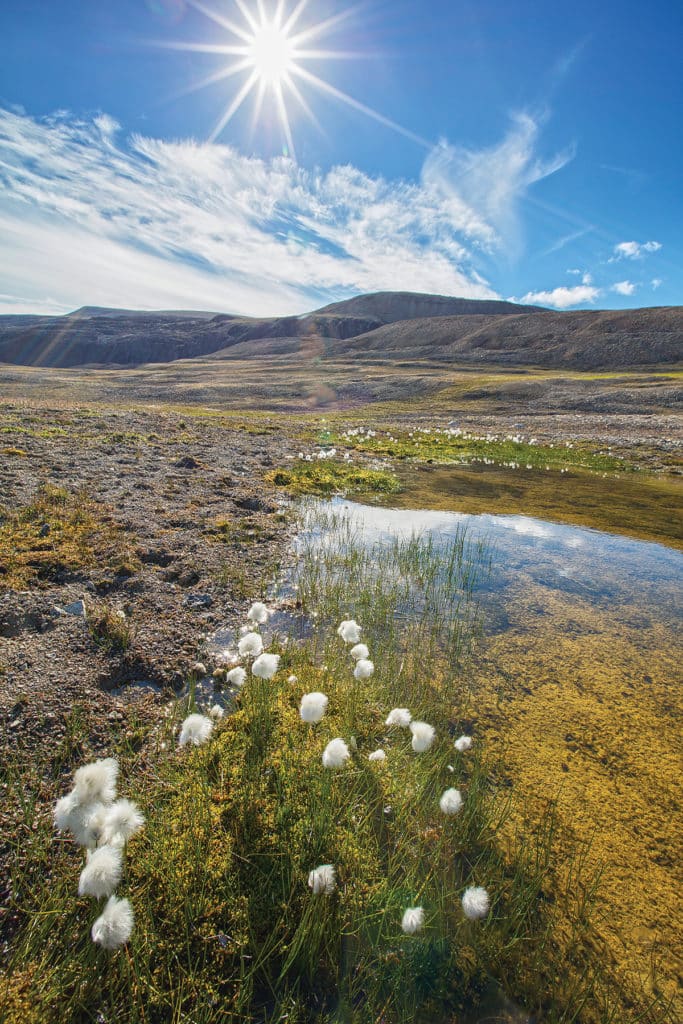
(269, 49)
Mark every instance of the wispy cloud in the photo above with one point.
(492, 182)
(563, 297)
(573, 236)
(633, 250)
(90, 216)
(656, 283)
(624, 287)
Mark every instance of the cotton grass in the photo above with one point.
(97, 781)
(266, 665)
(237, 676)
(313, 707)
(349, 631)
(114, 926)
(364, 669)
(413, 920)
(250, 645)
(258, 613)
(359, 651)
(451, 801)
(377, 755)
(323, 880)
(399, 716)
(463, 743)
(423, 736)
(102, 872)
(121, 821)
(336, 753)
(195, 730)
(475, 903)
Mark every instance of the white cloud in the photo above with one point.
(624, 287)
(490, 183)
(562, 298)
(656, 282)
(90, 217)
(633, 250)
(586, 278)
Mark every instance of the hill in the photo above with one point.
(384, 326)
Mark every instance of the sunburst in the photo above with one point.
(269, 49)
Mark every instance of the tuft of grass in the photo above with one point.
(109, 628)
(56, 537)
(326, 477)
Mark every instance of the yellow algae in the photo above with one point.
(586, 707)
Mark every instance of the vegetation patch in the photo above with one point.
(326, 476)
(109, 628)
(59, 535)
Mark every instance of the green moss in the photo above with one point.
(325, 476)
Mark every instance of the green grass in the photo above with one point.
(327, 476)
(226, 926)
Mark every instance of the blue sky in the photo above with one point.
(525, 150)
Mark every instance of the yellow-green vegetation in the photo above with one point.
(439, 445)
(227, 928)
(326, 477)
(57, 536)
(109, 627)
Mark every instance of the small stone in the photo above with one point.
(199, 668)
(76, 608)
(199, 600)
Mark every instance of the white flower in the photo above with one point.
(359, 651)
(258, 613)
(250, 644)
(266, 666)
(236, 676)
(349, 631)
(313, 707)
(399, 716)
(292, 679)
(423, 736)
(413, 920)
(87, 823)
(97, 781)
(216, 712)
(122, 820)
(475, 903)
(364, 669)
(463, 743)
(335, 754)
(102, 872)
(323, 879)
(64, 811)
(114, 925)
(196, 729)
(451, 801)
(377, 755)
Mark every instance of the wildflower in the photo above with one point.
(97, 781)
(102, 872)
(122, 820)
(377, 755)
(423, 736)
(236, 676)
(335, 754)
(258, 613)
(349, 631)
(399, 716)
(359, 651)
(323, 879)
(292, 679)
(413, 920)
(313, 707)
(216, 712)
(250, 644)
(475, 903)
(451, 801)
(463, 743)
(364, 669)
(196, 729)
(266, 665)
(114, 925)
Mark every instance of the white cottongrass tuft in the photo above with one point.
(196, 729)
(102, 872)
(451, 801)
(114, 925)
(335, 754)
(364, 669)
(313, 707)
(97, 781)
(65, 811)
(323, 879)
(292, 679)
(475, 903)
(359, 651)
(377, 755)
(87, 824)
(463, 743)
(250, 645)
(423, 736)
(399, 716)
(237, 676)
(266, 666)
(216, 712)
(122, 820)
(349, 631)
(258, 613)
(413, 920)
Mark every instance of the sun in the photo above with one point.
(270, 50)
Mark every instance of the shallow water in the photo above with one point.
(576, 689)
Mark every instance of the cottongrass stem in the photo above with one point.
(313, 707)
(196, 729)
(114, 925)
(475, 903)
